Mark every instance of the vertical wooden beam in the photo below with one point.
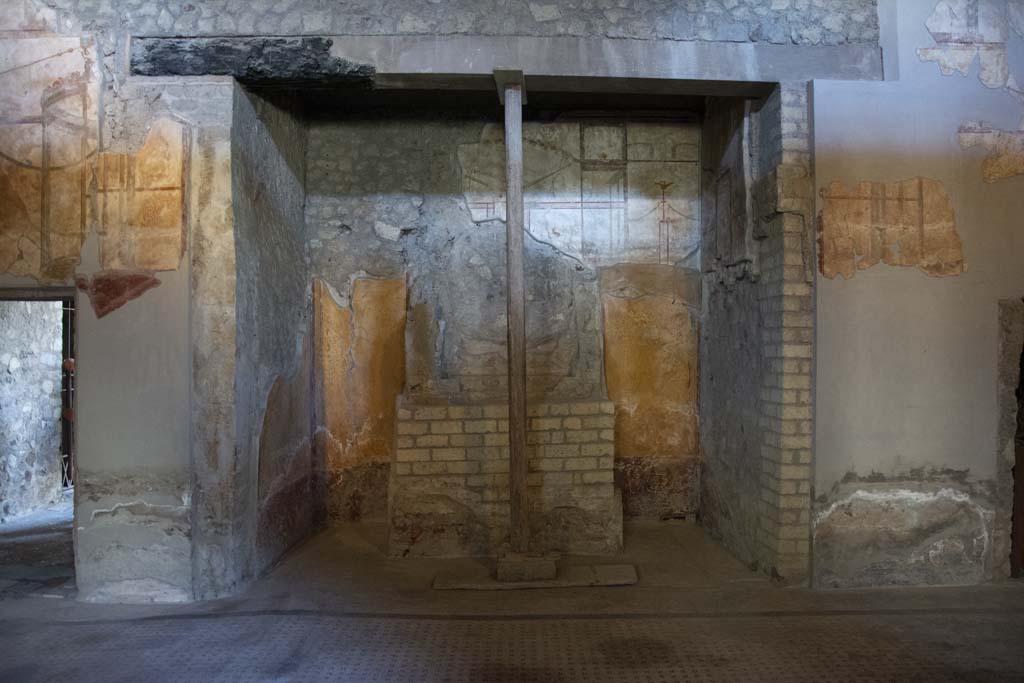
(518, 462)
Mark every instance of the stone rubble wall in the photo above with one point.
(449, 486)
(800, 22)
(30, 405)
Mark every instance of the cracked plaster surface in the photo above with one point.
(966, 31)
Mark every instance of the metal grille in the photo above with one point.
(67, 393)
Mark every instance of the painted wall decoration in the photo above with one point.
(903, 223)
(141, 199)
(49, 93)
(651, 368)
(601, 193)
(360, 371)
(970, 30)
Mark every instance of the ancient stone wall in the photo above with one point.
(408, 213)
(134, 184)
(449, 485)
(30, 406)
(273, 377)
(804, 22)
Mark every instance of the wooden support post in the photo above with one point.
(512, 90)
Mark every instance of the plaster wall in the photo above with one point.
(273, 367)
(132, 487)
(909, 480)
(30, 406)
(409, 212)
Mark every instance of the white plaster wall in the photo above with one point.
(909, 488)
(906, 363)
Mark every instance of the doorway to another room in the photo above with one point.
(37, 471)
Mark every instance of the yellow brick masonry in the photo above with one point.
(571, 448)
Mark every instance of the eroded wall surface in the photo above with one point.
(757, 335)
(651, 367)
(359, 373)
(405, 229)
(279, 485)
(912, 473)
(30, 406)
(48, 140)
(784, 21)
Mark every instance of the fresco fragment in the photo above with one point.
(902, 223)
(49, 91)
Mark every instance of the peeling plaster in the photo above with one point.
(894, 534)
(902, 223)
(1005, 149)
(140, 508)
(968, 29)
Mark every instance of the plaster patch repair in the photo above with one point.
(49, 94)
(902, 223)
(902, 536)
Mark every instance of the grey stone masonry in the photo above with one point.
(30, 377)
(801, 22)
(449, 492)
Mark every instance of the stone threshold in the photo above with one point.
(576, 576)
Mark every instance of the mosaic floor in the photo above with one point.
(336, 609)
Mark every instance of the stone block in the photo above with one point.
(466, 440)
(430, 413)
(428, 468)
(513, 567)
(405, 428)
(580, 464)
(413, 454)
(480, 426)
(432, 441)
(448, 454)
(543, 424)
(446, 427)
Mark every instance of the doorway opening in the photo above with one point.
(1017, 526)
(37, 342)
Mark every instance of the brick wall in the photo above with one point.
(787, 315)
(757, 353)
(448, 493)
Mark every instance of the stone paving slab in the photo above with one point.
(574, 576)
